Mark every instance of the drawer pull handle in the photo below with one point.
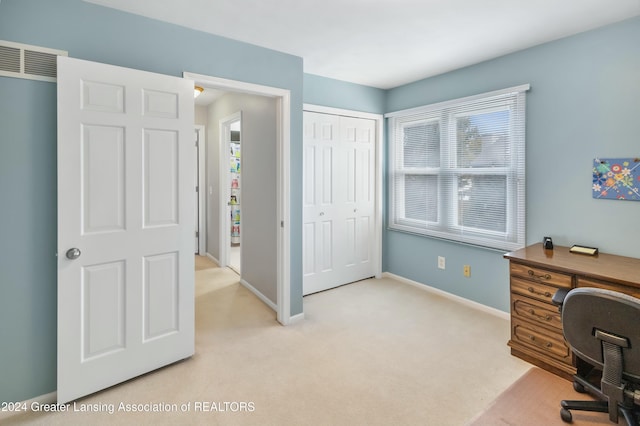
(545, 294)
(542, 317)
(548, 344)
(541, 277)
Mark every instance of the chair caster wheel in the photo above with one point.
(578, 387)
(565, 415)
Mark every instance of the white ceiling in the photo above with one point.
(387, 43)
(209, 96)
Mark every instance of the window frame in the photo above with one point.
(449, 172)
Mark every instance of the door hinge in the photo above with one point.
(282, 224)
(197, 234)
(197, 189)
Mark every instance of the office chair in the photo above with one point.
(602, 327)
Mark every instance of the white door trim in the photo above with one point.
(202, 190)
(283, 166)
(224, 190)
(379, 119)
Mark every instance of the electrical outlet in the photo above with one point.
(466, 270)
(441, 262)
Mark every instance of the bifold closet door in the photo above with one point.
(339, 200)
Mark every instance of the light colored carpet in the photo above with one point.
(376, 352)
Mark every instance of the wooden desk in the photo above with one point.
(535, 275)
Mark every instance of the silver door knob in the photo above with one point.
(73, 253)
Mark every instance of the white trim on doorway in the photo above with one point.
(283, 166)
(379, 119)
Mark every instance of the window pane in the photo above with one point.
(482, 202)
(421, 146)
(421, 198)
(483, 139)
(457, 169)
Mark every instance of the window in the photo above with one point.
(457, 169)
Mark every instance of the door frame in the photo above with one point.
(202, 190)
(224, 190)
(379, 120)
(283, 167)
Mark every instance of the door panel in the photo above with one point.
(125, 200)
(326, 244)
(364, 249)
(160, 163)
(161, 289)
(338, 212)
(103, 307)
(103, 173)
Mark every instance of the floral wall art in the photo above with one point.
(616, 178)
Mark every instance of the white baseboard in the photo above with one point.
(260, 296)
(213, 259)
(479, 306)
(296, 319)
(49, 398)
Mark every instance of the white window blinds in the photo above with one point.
(457, 169)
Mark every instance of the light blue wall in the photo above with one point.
(28, 157)
(333, 93)
(584, 103)
(28, 290)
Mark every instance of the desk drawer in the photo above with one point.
(631, 291)
(535, 311)
(533, 289)
(557, 279)
(546, 342)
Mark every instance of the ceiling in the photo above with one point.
(387, 43)
(209, 96)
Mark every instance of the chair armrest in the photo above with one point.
(559, 296)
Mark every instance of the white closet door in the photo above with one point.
(339, 195)
(125, 224)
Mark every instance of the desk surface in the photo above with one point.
(608, 267)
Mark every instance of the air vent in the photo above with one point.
(9, 59)
(31, 62)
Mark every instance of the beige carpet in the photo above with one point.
(535, 400)
(376, 352)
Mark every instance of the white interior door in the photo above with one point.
(125, 202)
(201, 191)
(339, 200)
(225, 190)
(196, 184)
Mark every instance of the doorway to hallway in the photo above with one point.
(265, 271)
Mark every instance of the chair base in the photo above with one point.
(585, 382)
(596, 406)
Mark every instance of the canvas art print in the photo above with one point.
(616, 178)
